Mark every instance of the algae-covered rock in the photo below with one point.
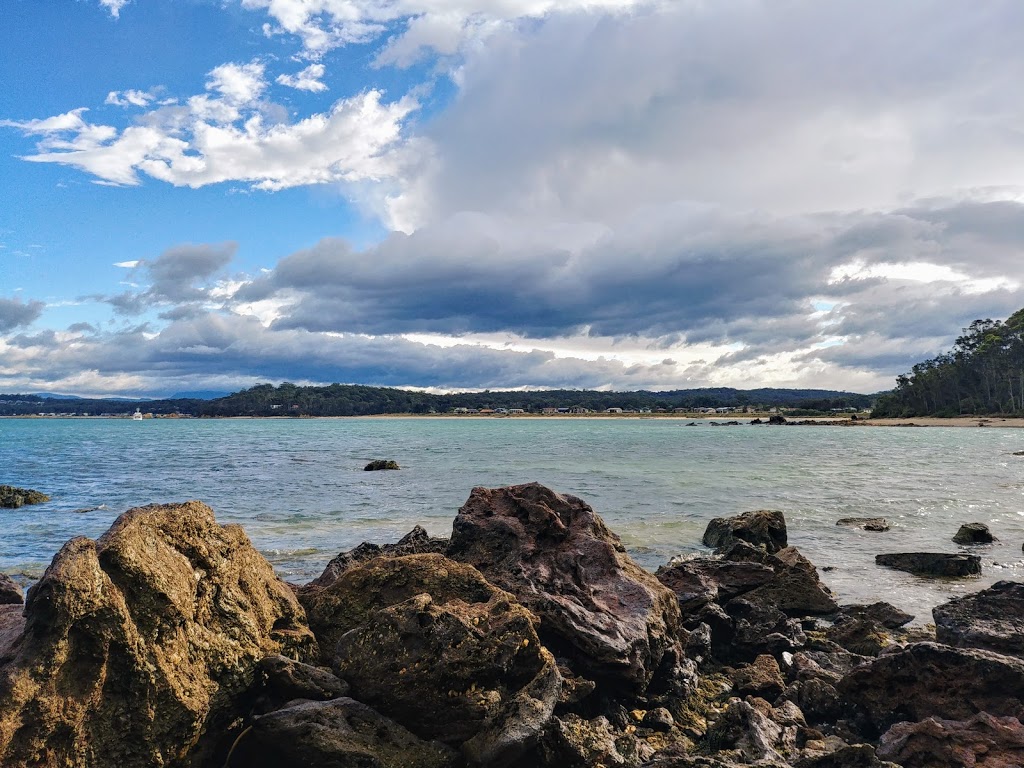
(13, 498)
(139, 646)
(378, 464)
(415, 542)
(10, 593)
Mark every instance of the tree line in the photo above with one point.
(982, 374)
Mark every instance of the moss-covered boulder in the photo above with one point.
(379, 464)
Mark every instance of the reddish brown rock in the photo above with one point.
(612, 619)
(761, 678)
(983, 741)
(141, 644)
(10, 593)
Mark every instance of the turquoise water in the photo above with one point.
(298, 486)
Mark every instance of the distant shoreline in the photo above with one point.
(744, 419)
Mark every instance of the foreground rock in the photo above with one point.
(13, 498)
(342, 733)
(415, 542)
(138, 649)
(974, 533)
(378, 464)
(10, 593)
(612, 619)
(932, 680)
(932, 563)
(430, 643)
(992, 620)
(875, 524)
(763, 528)
(983, 741)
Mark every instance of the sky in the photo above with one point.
(471, 194)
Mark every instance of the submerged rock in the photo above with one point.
(415, 542)
(613, 620)
(886, 614)
(932, 563)
(983, 740)
(876, 524)
(342, 733)
(139, 648)
(763, 528)
(974, 533)
(932, 680)
(992, 619)
(13, 498)
(378, 464)
(10, 593)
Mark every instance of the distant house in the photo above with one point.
(579, 409)
(516, 410)
(549, 411)
(614, 410)
(486, 412)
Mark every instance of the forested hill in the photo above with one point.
(982, 374)
(353, 400)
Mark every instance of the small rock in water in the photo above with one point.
(877, 524)
(12, 498)
(974, 533)
(932, 563)
(762, 528)
(378, 464)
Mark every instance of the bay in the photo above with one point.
(299, 489)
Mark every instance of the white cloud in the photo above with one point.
(230, 134)
(130, 98)
(309, 79)
(127, 264)
(114, 6)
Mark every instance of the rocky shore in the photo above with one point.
(528, 638)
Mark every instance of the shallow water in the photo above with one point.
(298, 486)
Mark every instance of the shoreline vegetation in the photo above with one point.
(492, 648)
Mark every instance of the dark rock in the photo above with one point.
(12, 624)
(13, 498)
(137, 646)
(776, 419)
(752, 733)
(817, 698)
(700, 581)
(335, 734)
(974, 533)
(616, 622)
(862, 636)
(796, 591)
(469, 675)
(286, 679)
(757, 628)
(886, 614)
(379, 464)
(763, 528)
(415, 542)
(992, 619)
(698, 644)
(932, 563)
(762, 677)
(848, 756)
(658, 719)
(10, 593)
(574, 742)
(983, 740)
(876, 524)
(932, 680)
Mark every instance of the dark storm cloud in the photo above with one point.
(15, 313)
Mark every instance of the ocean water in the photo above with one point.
(298, 488)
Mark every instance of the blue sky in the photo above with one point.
(459, 194)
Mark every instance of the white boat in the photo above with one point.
(137, 416)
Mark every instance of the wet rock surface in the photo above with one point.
(992, 619)
(381, 464)
(932, 563)
(14, 498)
(974, 533)
(764, 528)
(983, 741)
(874, 524)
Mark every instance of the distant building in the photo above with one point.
(614, 410)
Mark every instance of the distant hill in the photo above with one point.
(200, 394)
(356, 400)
